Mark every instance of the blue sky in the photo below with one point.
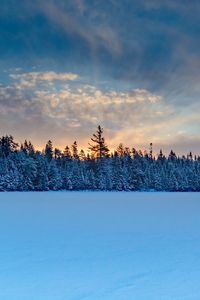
(132, 66)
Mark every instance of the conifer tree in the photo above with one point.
(49, 150)
(74, 148)
(7, 145)
(99, 149)
(120, 150)
(82, 155)
(67, 153)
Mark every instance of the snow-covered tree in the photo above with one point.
(26, 169)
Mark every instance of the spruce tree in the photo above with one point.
(49, 150)
(74, 148)
(99, 149)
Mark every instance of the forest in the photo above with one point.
(22, 168)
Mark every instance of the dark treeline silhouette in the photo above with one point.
(22, 168)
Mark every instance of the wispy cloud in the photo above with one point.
(97, 35)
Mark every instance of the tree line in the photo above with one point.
(22, 168)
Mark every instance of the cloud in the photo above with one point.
(74, 104)
(70, 20)
(31, 79)
(146, 43)
(72, 109)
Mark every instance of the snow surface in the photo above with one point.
(99, 246)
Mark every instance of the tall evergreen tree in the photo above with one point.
(49, 150)
(99, 149)
(74, 148)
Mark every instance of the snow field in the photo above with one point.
(99, 246)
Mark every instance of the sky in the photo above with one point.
(131, 66)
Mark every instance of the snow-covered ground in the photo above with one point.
(99, 246)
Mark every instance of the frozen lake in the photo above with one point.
(99, 246)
